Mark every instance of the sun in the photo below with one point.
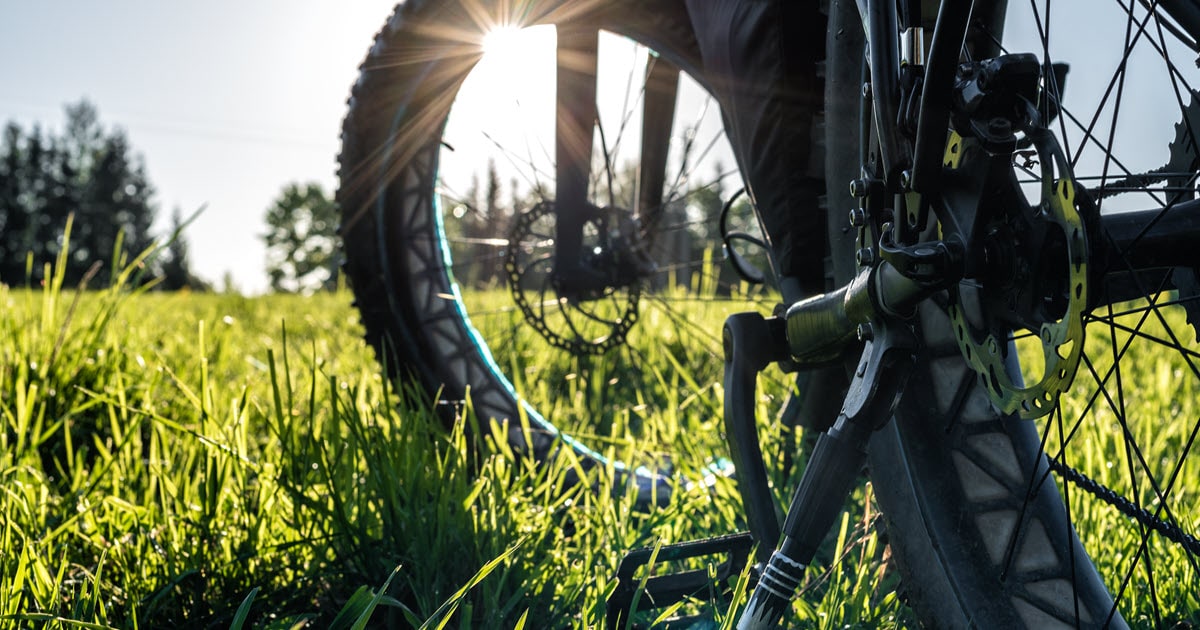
(504, 109)
(502, 40)
(518, 45)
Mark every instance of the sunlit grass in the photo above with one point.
(199, 460)
(186, 460)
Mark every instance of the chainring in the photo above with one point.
(1184, 163)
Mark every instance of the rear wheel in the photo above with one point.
(458, 155)
(1082, 516)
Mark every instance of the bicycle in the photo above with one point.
(991, 217)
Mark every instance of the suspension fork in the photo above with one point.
(575, 119)
(907, 96)
(881, 23)
(881, 26)
(949, 36)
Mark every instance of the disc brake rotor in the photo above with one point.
(591, 325)
(986, 341)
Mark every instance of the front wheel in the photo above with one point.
(1084, 516)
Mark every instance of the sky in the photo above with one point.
(226, 101)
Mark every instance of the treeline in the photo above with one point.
(91, 175)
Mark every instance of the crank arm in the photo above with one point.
(814, 333)
(871, 307)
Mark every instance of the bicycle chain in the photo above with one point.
(1171, 532)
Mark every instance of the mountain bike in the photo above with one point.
(1012, 284)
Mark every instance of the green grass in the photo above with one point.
(1157, 404)
(187, 460)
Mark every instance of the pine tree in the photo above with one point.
(14, 220)
(176, 268)
(88, 172)
(496, 221)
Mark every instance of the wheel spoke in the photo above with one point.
(1148, 257)
(526, 166)
(690, 159)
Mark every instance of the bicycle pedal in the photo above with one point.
(663, 590)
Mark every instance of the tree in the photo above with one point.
(88, 172)
(478, 220)
(175, 269)
(27, 185)
(14, 220)
(496, 221)
(301, 239)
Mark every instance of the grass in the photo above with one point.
(1156, 406)
(187, 460)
